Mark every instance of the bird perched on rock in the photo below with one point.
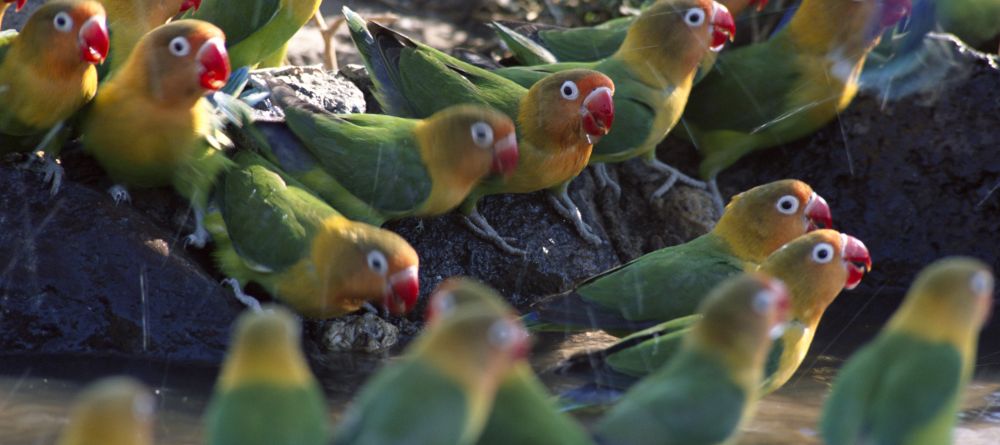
(257, 31)
(374, 167)
(151, 126)
(47, 74)
(131, 19)
(671, 282)
(653, 79)
(786, 87)
(442, 391)
(905, 386)
(6, 4)
(111, 411)
(523, 412)
(558, 120)
(272, 231)
(266, 393)
(815, 267)
(710, 387)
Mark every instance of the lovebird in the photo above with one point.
(523, 412)
(974, 21)
(905, 386)
(266, 394)
(442, 390)
(815, 267)
(150, 124)
(257, 31)
(787, 87)
(671, 282)
(47, 75)
(271, 230)
(558, 120)
(111, 411)
(533, 44)
(375, 167)
(653, 71)
(129, 20)
(710, 387)
(6, 4)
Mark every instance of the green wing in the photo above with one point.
(526, 51)
(643, 352)
(258, 29)
(635, 112)
(665, 284)
(407, 403)
(891, 389)
(586, 44)
(375, 157)
(237, 22)
(267, 415)
(523, 413)
(271, 222)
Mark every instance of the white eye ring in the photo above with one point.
(63, 22)
(377, 262)
(180, 46)
(444, 305)
(501, 334)
(788, 204)
(763, 301)
(482, 134)
(981, 283)
(569, 90)
(694, 17)
(822, 253)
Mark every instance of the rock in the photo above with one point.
(15, 19)
(362, 333)
(81, 276)
(332, 92)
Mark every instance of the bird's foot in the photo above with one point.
(713, 189)
(54, 174)
(674, 175)
(478, 225)
(119, 194)
(247, 300)
(605, 180)
(200, 236)
(566, 208)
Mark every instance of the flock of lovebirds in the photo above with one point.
(706, 328)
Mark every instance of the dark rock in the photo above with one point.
(15, 19)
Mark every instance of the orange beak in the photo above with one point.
(93, 40)
(214, 64)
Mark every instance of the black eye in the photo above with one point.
(377, 262)
(63, 22)
(788, 204)
(822, 253)
(180, 46)
(694, 17)
(569, 90)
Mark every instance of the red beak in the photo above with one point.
(522, 346)
(505, 155)
(818, 213)
(893, 11)
(94, 41)
(783, 302)
(723, 26)
(855, 254)
(598, 112)
(404, 288)
(214, 64)
(189, 4)
(761, 4)
(19, 5)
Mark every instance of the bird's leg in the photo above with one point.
(605, 180)
(247, 300)
(200, 236)
(478, 225)
(674, 174)
(713, 189)
(119, 194)
(568, 209)
(327, 31)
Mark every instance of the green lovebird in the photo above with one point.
(150, 124)
(47, 74)
(905, 386)
(266, 394)
(653, 72)
(974, 21)
(375, 167)
(271, 230)
(442, 390)
(815, 267)
(557, 120)
(671, 282)
(257, 31)
(787, 87)
(523, 412)
(710, 387)
(111, 411)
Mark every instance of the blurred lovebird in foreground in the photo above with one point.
(111, 411)
(375, 167)
(709, 389)
(47, 74)
(266, 394)
(442, 390)
(272, 231)
(671, 282)
(132, 19)
(905, 387)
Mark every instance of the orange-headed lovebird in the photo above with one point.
(131, 19)
(111, 411)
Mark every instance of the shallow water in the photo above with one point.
(35, 400)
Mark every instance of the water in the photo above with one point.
(35, 396)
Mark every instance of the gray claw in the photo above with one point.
(566, 208)
(478, 225)
(604, 180)
(247, 300)
(119, 194)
